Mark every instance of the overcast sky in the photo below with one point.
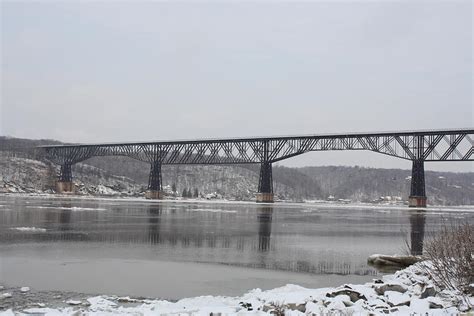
(136, 71)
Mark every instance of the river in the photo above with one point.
(175, 249)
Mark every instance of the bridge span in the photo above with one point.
(417, 146)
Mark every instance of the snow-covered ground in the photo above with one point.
(407, 292)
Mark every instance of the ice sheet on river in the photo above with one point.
(73, 208)
(29, 229)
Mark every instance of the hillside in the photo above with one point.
(367, 184)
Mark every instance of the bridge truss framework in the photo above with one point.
(417, 146)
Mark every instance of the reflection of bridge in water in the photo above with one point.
(417, 232)
(166, 230)
(417, 146)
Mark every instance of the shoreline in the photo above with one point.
(309, 203)
(406, 291)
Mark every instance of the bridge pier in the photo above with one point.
(265, 183)
(64, 183)
(155, 191)
(417, 196)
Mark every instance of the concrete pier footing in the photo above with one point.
(64, 187)
(264, 197)
(154, 195)
(417, 201)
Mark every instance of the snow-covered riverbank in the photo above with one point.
(409, 291)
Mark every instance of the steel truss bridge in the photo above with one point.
(417, 146)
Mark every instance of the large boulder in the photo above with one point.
(393, 260)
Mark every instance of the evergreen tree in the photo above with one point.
(196, 193)
(185, 193)
(189, 194)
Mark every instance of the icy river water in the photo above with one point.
(175, 249)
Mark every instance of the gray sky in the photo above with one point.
(135, 71)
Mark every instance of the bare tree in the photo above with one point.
(450, 255)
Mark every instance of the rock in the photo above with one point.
(73, 302)
(24, 289)
(417, 290)
(353, 295)
(463, 307)
(394, 260)
(378, 303)
(127, 299)
(267, 308)
(348, 303)
(313, 308)
(434, 305)
(5, 295)
(248, 306)
(396, 298)
(296, 307)
(380, 290)
(336, 305)
(428, 291)
(41, 304)
(470, 289)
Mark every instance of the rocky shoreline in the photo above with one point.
(408, 291)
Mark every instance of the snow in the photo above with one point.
(5, 295)
(358, 299)
(395, 298)
(419, 305)
(25, 289)
(30, 229)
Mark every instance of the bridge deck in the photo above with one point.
(427, 132)
(426, 145)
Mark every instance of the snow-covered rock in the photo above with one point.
(24, 289)
(396, 298)
(5, 295)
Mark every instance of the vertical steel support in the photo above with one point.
(64, 183)
(154, 182)
(265, 181)
(417, 192)
(65, 173)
